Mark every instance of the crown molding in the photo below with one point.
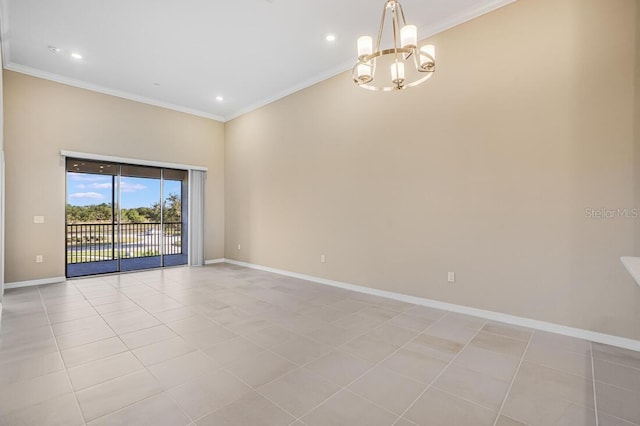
(466, 15)
(290, 91)
(108, 91)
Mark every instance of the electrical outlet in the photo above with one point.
(322, 258)
(451, 277)
(39, 258)
(238, 246)
(38, 219)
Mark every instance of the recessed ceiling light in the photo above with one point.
(219, 98)
(53, 49)
(330, 37)
(76, 56)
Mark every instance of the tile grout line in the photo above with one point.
(134, 355)
(126, 406)
(593, 383)
(144, 367)
(265, 349)
(379, 363)
(365, 332)
(222, 367)
(477, 404)
(513, 379)
(375, 365)
(116, 335)
(616, 364)
(165, 392)
(560, 370)
(569, 373)
(64, 365)
(253, 389)
(300, 367)
(446, 367)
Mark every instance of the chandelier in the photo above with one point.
(405, 65)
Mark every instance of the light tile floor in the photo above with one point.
(224, 345)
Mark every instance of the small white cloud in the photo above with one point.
(131, 187)
(92, 195)
(106, 185)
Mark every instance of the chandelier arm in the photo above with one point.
(382, 20)
(404, 20)
(394, 19)
(416, 62)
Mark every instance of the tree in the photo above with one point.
(171, 209)
(173, 212)
(96, 213)
(132, 216)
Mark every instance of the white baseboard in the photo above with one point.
(30, 283)
(579, 333)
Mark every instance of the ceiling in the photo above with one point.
(183, 54)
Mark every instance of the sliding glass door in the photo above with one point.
(122, 217)
(174, 215)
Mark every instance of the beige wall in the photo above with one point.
(636, 114)
(2, 178)
(44, 117)
(486, 170)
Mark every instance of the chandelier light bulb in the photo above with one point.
(397, 73)
(364, 73)
(427, 56)
(409, 36)
(365, 46)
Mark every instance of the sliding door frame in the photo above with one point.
(137, 162)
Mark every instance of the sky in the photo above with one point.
(84, 189)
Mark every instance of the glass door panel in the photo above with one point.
(140, 231)
(173, 215)
(90, 219)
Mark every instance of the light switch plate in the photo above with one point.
(38, 219)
